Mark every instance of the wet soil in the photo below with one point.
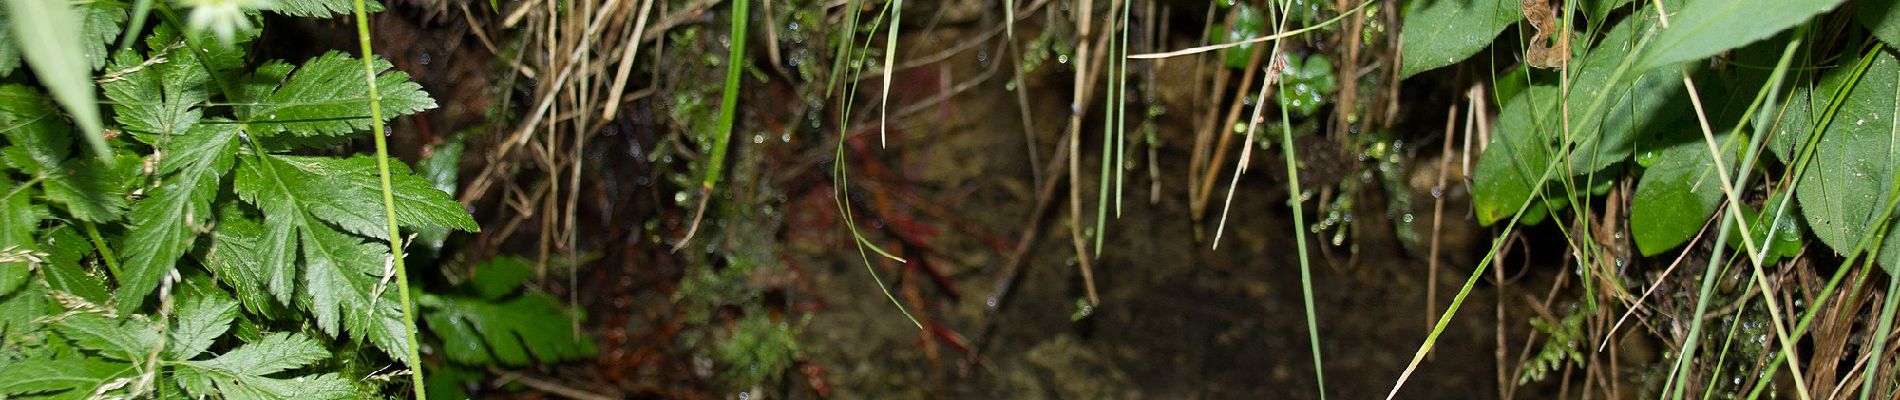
(1177, 318)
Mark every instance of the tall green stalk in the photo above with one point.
(729, 98)
(1294, 199)
(389, 199)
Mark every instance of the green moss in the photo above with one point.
(756, 351)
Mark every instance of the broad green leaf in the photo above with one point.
(441, 166)
(103, 20)
(343, 276)
(1531, 127)
(477, 331)
(37, 140)
(19, 315)
(39, 144)
(347, 192)
(500, 276)
(277, 251)
(1702, 28)
(1520, 149)
(1845, 184)
(160, 98)
(1441, 32)
(64, 272)
(123, 340)
(46, 375)
(18, 218)
(92, 190)
(50, 36)
(227, 63)
(1882, 17)
(266, 182)
(451, 381)
(345, 280)
(1249, 22)
(199, 320)
(1307, 84)
(1788, 237)
(168, 223)
(242, 372)
(321, 8)
(1599, 10)
(1677, 195)
(327, 96)
(1632, 106)
(233, 256)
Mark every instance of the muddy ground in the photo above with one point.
(1176, 318)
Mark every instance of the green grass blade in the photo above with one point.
(139, 11)
(1299, 238)
(1108, 141)
(389, 200)
(1121, 112)
(890, 61)
(1881, 334)
(48, 34)
(1009, 19)
(841, 174)
(1680, 370)
(729, 97)
(838, 65)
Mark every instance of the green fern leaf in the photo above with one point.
(18, 218)
(344, 279)
(233, 257)
(160, 95)
(65, 250)
(114, 339)
(481, 331)
(320, 8)
(200, 320)
(241, 373)
(76, 377)
(500, 276)
(102, 23)
(327, 96)
(19, 316)
(40, 142)
(347, 192)
(167, 223)
(343, 285)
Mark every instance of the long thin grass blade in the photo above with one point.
(890, 61)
